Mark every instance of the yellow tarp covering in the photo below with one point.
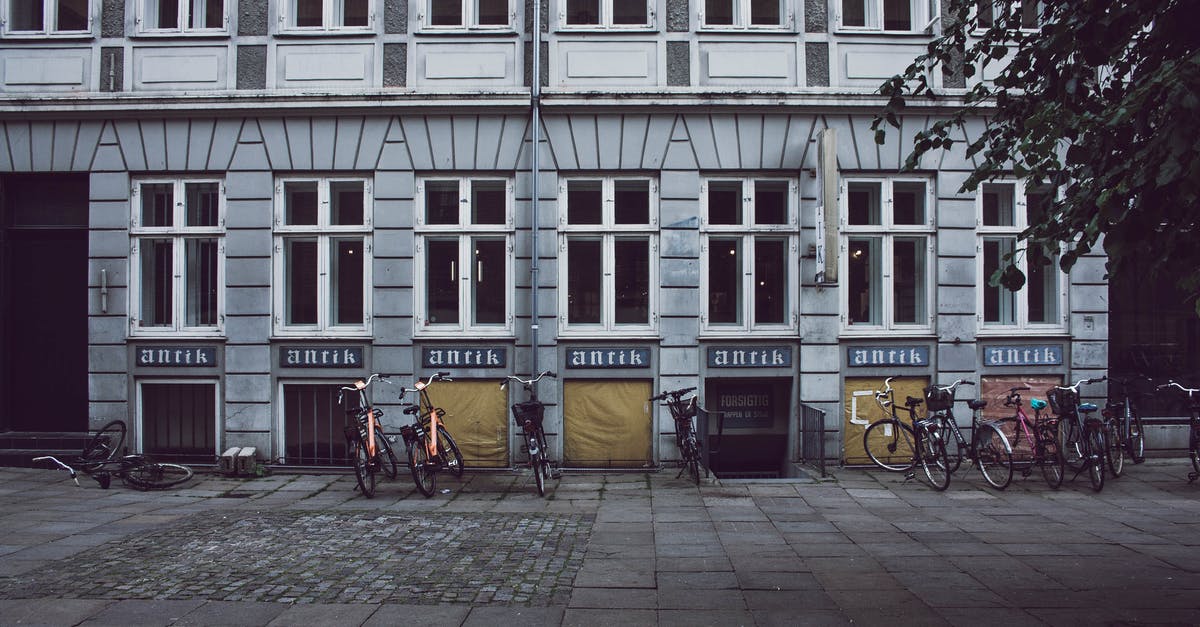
(477, 418)
(606, 423)
(860, 410)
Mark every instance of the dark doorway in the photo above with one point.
(43, 290)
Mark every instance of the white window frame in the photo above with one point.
(463, 231)
(323, 232)
(608, 232)
(924, 13)
(178, 233)
(741, 17)
(888, 231)
(330, 11)
(185, 11)
(748, 233)
(1021, 296)
(470, 18)
(606, 18)
(1015, 5)
(49, 16)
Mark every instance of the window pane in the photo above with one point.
(998, 303)
(770, 202)
(908, 281)
(203, 203)
(346, 200)
(863, 200)
(725, 202)
(300, 203)
(998, 201)
(441, 202)
(897, 15)
(725, 281)
(489, 288)
(162, 13)
(487, 202)
(493, 12)
(983, 8)
(27, 15)
(441, 281)
(445, 12)
(346, 292)
(1038, 204)
(584, 281)
(158, 204)
(770, 281)
(632, 281)
(213, 13)
(908, 203)
(583, 11)
(1029, 14)
(764, 12)
(307, 12)
(632, 202)
(864, 290)
(72, 15)
(1043, 286)
(854, 12)
(355, 12)
(718, 12)
(629, 12)
(200, 258)
(584, 202)
(158, 288)
(300, 277)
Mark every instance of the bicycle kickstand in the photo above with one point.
(1192, 476)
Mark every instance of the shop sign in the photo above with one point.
(1023, 355)
(608, 358)
(863, 356)
(495, 357)
(736, 357)
(744, 407)
(186, 356)
(321, 356)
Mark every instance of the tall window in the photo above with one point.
(321, 15)
(1023, 14)
(464, 255)
(177, 257)
(750, 251)
(887, 15)
(604, 13)
(1005, 209)
(182, 16)
(46, 17)
(322, 256)
(745, 14)
(457, 14)
(607, 257)
(887, 245)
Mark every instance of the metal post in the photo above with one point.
(535, 94)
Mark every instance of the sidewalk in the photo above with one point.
(602, 549)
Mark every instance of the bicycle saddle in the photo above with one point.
(411, 409)
(1088, 407)
(1037, 403)
(913, 402)
(977, 404)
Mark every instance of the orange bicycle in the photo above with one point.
(428, 444)
(369, 447)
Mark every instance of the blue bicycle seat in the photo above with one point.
(1037, 403)
(1088, 407)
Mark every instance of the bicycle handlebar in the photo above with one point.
(674, 394)
(544, 373)
(1075, 388)
(1189, 391)
(74, 475)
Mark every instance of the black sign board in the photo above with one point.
(461, 357)
(750, 357)
(745, 406)
(176, 356)
(321, 356)
(608, 358)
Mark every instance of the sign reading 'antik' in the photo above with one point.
(186, 356)
(1024, 355)
(492, 357)
(761, 357)
(862, 356)
(608, 358)
(321, 356)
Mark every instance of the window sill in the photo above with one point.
(181, 35)
(867, 32)
(600, 30)
(465, 335)
(1017, 333)
(609, 335)
(140, 336)
(49, 36)
(746, 30)
(738, 334)
(302, 34)
(292, 336)
(451, 31)
(882, 333)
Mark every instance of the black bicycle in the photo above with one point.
(683, 411)
(370, 449)
(1083, 436)
(989, 449)
(1123, 410)
(1193, 400)
(103, 458)
(896, 446)
(528, 415)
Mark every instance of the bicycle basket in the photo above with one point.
(937, 399)
(1062, 401)
(529, 410)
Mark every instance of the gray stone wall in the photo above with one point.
(252, 17)
(251, 67)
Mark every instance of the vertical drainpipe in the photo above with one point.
(535, 93)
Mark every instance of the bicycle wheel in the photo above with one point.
(692, 456)
(156, 476)
(1115, 451)
(993, 455)
(105, 445)
(890, 444)
(364, 470)
(387, 456)
(1071, 443)
(1137, 439)
(1095, 443)
(452, 459)
(934, 462)
(418, 462)
(954, 448)
(1050, 458)
(1194, 448)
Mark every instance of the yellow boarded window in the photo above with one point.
(606, 424)
(860, 410)
(477, 419)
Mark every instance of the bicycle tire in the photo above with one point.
(452, 459)
(364, 471)
(1194, 448)
(156, 475)
(423, 475)
(105, 445)
(1095, 445)
(954, 448)
(535, 464)
(993, 456)
(934, 462)
(1115, 448)
(692, 455)
(1137, 438)
(1051, 459)
(1070, 441)
(387, 456)
(898, 445)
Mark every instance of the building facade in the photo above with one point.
(217, 213)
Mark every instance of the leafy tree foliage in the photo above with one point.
(1097, 98)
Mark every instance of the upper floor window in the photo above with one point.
(605, 13)
(887, 244)
(464, 256)
(182, 16)
(1022, 13)
(900, 16)
(177, 253)
(322, 256)
(607, 255)
(1005, 209)
(745, 14)
(47, 17)
(326, 15)
(458, 14)
(750, 251)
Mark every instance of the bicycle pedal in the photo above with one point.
(910, 476)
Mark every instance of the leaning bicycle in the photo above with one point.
(103, 458)
(1193, 400)
(683, 412)
(428, 444)
(989, 449)
(896, 446)
(369, 447)
(1083, 437)
(528, 416)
